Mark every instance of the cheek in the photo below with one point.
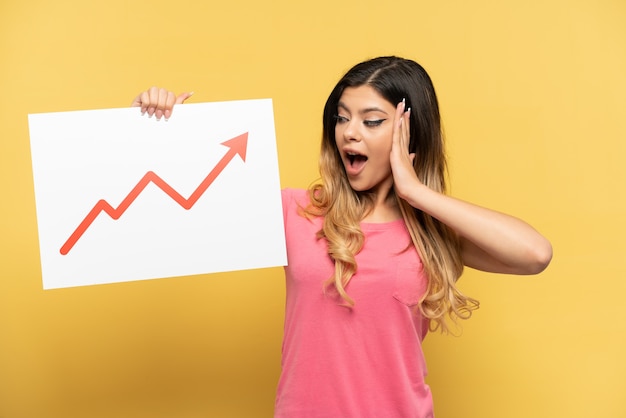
(383, 152)
(338, 133)
(384, 143)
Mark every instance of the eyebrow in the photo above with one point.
(363, 111)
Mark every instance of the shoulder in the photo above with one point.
(294, 200)
(295, 196)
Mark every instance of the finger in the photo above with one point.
(183, 96)
(397, 126)
(162, 103)
(136, 101)
(400, 110)
(406, 125)
(403, 142)
(174, 100)
(140, 101)
(145, 101)
(152, 100)
(169, 104)
(404, 136)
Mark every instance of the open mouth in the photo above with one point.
(356, 159)
(355, 163)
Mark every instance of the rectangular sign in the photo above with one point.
(124, 197)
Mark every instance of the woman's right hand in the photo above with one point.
(158, 102)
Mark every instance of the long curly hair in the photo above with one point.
(343, 208)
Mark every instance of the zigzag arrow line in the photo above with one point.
(237, 145)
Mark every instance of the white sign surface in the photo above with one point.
(124, 197)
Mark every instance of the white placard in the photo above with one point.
(124, 197)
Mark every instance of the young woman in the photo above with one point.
(376, 248)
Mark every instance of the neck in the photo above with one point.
(385, 208)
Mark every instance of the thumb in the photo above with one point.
(137, 101)
(183, 96)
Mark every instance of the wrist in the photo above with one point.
(416, 194)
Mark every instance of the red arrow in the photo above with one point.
(236, 145)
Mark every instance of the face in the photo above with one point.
(363, 134)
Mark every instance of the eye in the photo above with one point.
(373, 123)
(340, 119)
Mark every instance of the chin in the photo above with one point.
(357, 187)
(361, 189)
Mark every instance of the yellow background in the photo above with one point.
(533, 96)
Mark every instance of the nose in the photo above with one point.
(351, 131)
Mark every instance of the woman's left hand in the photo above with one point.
(404, 177)
(490, 240)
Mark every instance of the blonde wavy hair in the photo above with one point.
(343, 208)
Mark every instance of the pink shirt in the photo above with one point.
(361, 362)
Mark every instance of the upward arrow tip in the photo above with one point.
(238, 145)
